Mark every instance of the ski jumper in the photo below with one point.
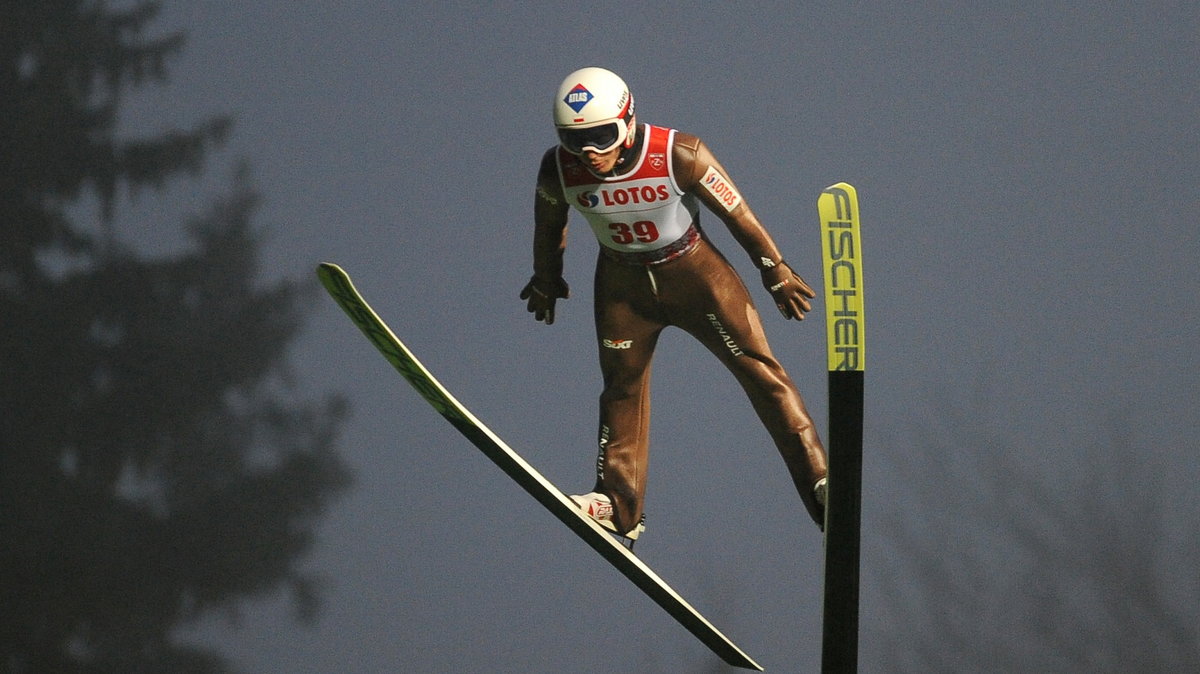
(656, 268)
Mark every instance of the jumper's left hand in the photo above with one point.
(790, 292)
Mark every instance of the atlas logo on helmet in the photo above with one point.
(578, 97)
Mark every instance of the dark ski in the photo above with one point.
(841, 247)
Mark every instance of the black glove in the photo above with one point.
(790, 292)
(542, 294)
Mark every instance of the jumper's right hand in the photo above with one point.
(542, 294)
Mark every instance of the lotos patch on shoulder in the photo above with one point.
(720, 187)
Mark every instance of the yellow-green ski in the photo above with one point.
(338, 283)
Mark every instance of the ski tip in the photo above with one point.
(333, 277)
(841, 186)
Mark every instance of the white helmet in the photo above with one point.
(592, 111)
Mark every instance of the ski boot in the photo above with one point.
(599, 507)
(821, 494)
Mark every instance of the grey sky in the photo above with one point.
(1027, 179)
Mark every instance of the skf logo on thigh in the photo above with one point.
(618, 343)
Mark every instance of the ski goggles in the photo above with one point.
(598, 139)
